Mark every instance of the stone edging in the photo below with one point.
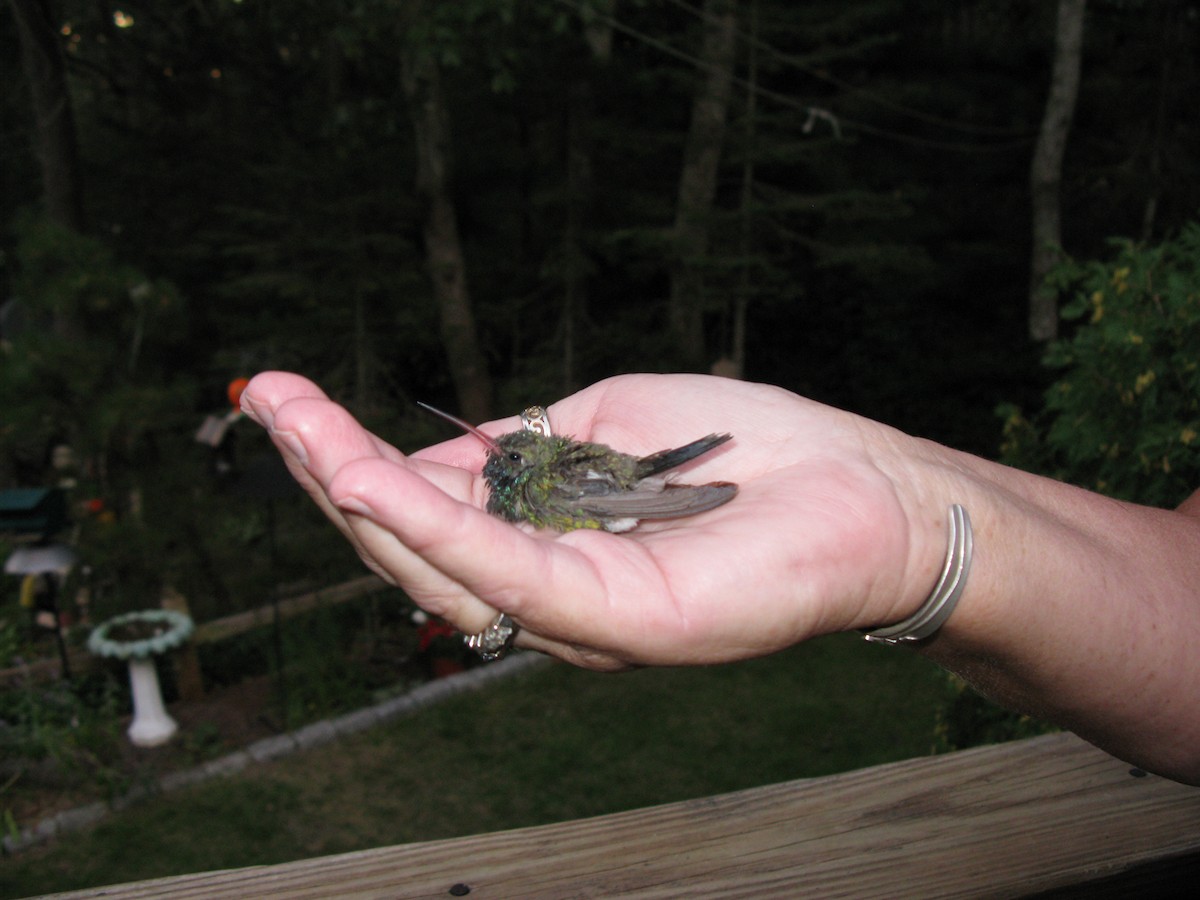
(270, 748)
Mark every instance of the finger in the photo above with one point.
(318, 438)
(310, 413)
(428, 587)
(262, 400)
(268, 391)
(315, 437)
(392, 506)
(553, 587)
(576, 655)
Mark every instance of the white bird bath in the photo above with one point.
(138, 637)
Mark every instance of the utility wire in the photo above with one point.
(812, 113)
(798, 62)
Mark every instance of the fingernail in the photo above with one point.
(260, 413)
(292, 443)
(355, 506)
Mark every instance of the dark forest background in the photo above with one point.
(490, 203)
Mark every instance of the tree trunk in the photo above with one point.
(698, 178)
(443, 247)
(597, 30)
(741, 300)
(1045, 176)
(54, 123)
(1171, 29)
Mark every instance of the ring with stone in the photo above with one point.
(495, 640)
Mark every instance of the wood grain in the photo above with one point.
(1003, 821)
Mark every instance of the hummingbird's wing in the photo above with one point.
(669, 459)
(589, 485)
(652, 500)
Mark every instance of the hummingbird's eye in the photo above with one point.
(515, 457)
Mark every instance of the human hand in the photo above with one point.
(819, 538)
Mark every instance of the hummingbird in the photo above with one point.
(557, 482)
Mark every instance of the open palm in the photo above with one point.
(816, 541)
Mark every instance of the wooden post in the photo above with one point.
(187, 660)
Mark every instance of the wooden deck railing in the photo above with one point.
(1047, 815)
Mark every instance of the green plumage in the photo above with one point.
(559, 483)
(564, 484)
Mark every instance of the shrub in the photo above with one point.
(1123, 418)
(74, 726)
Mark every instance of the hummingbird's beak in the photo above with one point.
(488, 440)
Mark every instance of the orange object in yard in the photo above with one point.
(235, 389)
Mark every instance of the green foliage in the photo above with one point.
(73, 725)
(966, 718)
(93, 366)
(10, 641)
(1123, 417)
(334, 658)
(99, 364)
(88, 367)
(266, 165)
(202, 742)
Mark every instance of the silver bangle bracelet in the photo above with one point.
(937, 609)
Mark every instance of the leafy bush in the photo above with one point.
(965, 718)
(75, 726)
(95, 358)
(90, 363)
(1123, 418)
(10, 642)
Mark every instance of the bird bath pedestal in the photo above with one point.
(137, 637)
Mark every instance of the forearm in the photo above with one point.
(1079, 609)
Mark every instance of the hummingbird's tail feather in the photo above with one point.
(669, 459)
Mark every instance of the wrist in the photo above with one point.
(927, 482)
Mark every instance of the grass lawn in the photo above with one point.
(552, 744)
